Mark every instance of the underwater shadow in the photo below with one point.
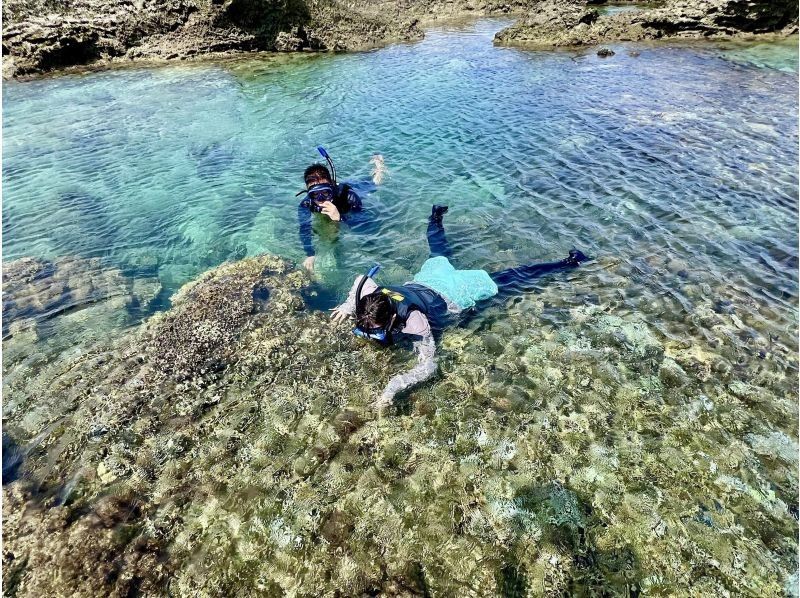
(568, 523)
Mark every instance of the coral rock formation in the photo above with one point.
(37, 289)
(572, 23)
(228, 447)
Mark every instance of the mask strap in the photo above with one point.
(390, 325)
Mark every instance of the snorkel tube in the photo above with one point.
(370, 273)
(331, 167)
(381, 335)
(325, 155)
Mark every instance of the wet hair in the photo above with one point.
(373, 311)
(316, 171)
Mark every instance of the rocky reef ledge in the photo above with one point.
(227, 447)
(564, 23)
(47, 35)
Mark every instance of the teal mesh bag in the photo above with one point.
(462, 287)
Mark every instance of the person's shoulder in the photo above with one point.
(352, 195)
(417, 324)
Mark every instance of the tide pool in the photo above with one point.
(628, 426)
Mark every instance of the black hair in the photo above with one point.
(373, 311)
(317, 171)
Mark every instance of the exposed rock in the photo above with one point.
(291, 42)
(571, 23)
(44, 35)
(605, 52)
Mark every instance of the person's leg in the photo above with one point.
(437, 241)
(520, 279)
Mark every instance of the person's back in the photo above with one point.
(419, 307)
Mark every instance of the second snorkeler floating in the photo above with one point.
(326, 196)
(436, 297)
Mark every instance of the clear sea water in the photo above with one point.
(685, 151)
(675, 166)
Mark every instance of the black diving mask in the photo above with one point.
(319, 194)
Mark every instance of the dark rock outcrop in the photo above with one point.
(44, 35)
(573, 23)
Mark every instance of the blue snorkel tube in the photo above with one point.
(376, 335)
(325, 155)
(370, 273)
(331, 167)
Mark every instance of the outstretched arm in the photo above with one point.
(425, 348)
(424, 369)
(304, 221)
(348, 308)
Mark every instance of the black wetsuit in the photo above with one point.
(347, 202)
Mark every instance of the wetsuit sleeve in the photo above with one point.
(349, 306)
(425, 348)
(353, 207)
(304, 222)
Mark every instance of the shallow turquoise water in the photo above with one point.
(168, 171)
(615, 9)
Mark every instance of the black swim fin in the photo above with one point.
(437, 212)
(576, 257)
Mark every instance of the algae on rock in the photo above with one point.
(228, 447)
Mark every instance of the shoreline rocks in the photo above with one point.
(569, 23)
(42, 36)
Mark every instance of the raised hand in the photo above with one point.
(331, 211)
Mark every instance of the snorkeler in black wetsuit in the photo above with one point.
(323, 195)
(429, 302)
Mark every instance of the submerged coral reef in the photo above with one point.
(228, 447)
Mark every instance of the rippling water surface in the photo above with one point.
(675, 166)
(169, 171)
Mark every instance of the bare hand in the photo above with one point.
(331, 211)
(383, 403)
(308, 263)
(338, 315)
